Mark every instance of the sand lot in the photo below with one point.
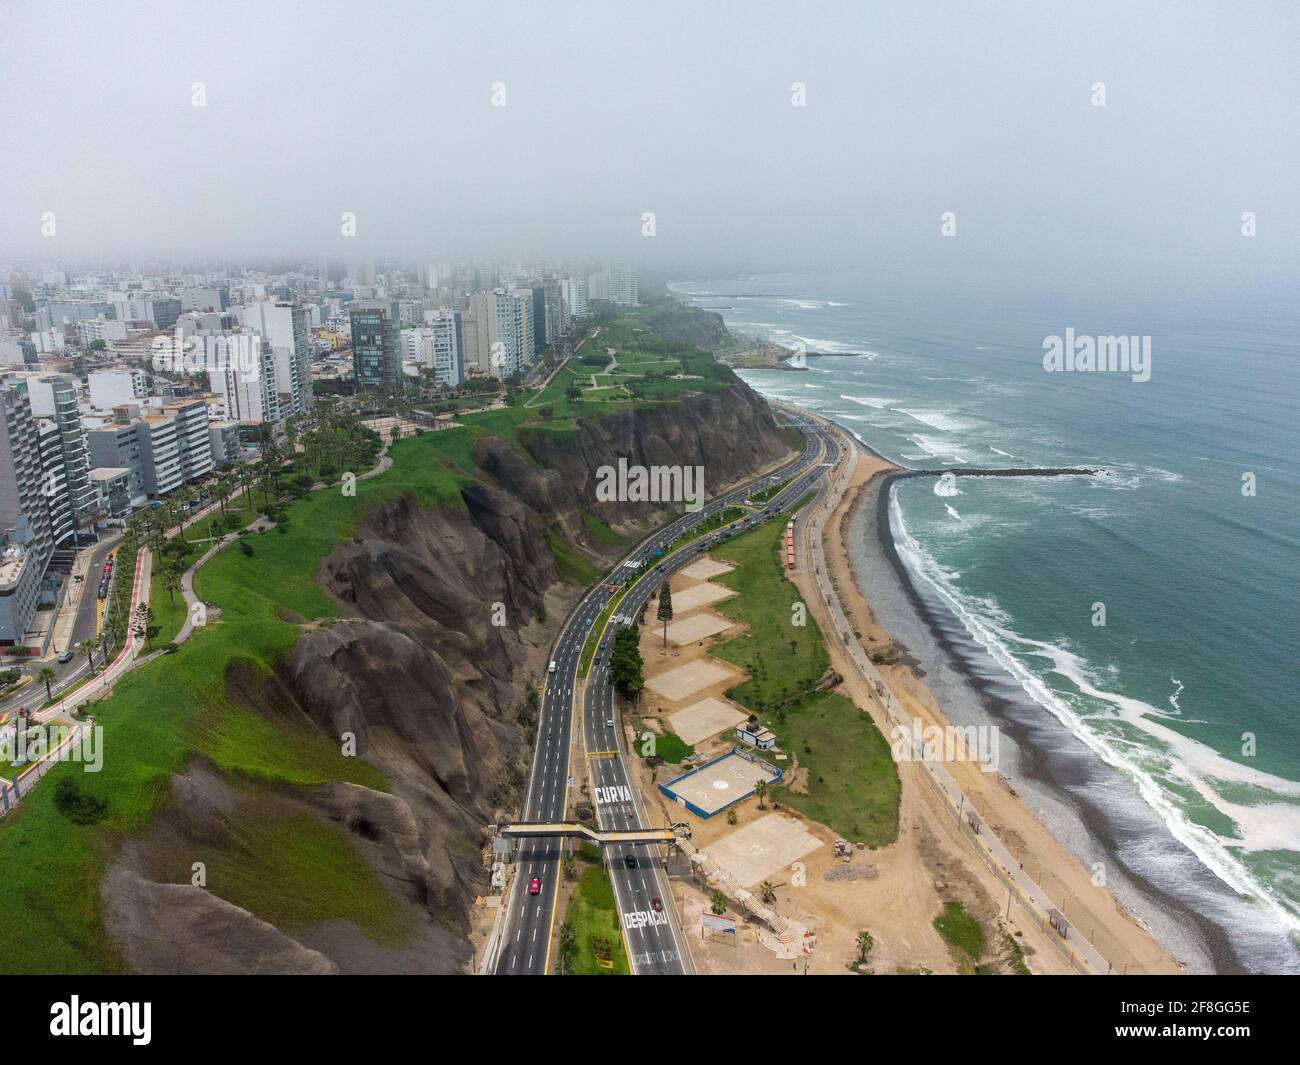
(706, 568)
(681, 683)
(706, 718)
(700, 595)
(757, 851)
(698, 627)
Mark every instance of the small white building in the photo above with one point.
(756, 736)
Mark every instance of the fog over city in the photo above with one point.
(760, 135)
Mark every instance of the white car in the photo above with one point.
(552, 669)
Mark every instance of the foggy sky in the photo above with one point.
(614, 109)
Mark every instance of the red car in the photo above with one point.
(534, 886)
(657, 904)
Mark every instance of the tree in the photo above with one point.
(718, 902)
(760, 789)
(865, 943)
(625, 664)
(767, 892)
(568, 947)
(145, 629)
(47, 676)
(665, 608)
(171, 582)
(87, 648)
(731, 815)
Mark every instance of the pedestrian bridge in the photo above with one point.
(576, 829)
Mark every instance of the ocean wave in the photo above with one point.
(935, 419)
(1262, 826)
(939, 449)
(946, 486)
(868, 401)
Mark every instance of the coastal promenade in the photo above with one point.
(1040, 907)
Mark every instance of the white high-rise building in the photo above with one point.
(108, 388)
(573, 290)
(245, 380)
(448, 365)
(623, 285)
(284, 325)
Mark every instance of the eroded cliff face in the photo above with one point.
(449, 614)
(730, 432)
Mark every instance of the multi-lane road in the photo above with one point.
(652, 933)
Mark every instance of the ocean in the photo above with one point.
(1149, 615)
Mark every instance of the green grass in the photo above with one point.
(294, 870)
(602, 533)
(593, 912)
(573, 567)
(169, 616)
(177, 707)
(781, 658)
(853, 786)
(672, 748)
(963, 934)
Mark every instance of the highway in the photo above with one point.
(654, 938)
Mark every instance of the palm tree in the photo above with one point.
(47, 676)
(171, 582)
(718, 902)
(87, 648)
(865, 943)
(767, 892)
(760, 789)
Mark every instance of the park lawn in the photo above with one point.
(781, 658)
(593, 912)
(168, 612)
(852, 779)
(853, 785)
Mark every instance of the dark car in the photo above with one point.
(657, 904)
(629, 860)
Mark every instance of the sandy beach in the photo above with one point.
(931, 833)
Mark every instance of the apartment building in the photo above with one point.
(286, 326)
(376, 343)
(26, 542)
(108, 388)
(161, 461)
(195, 446)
